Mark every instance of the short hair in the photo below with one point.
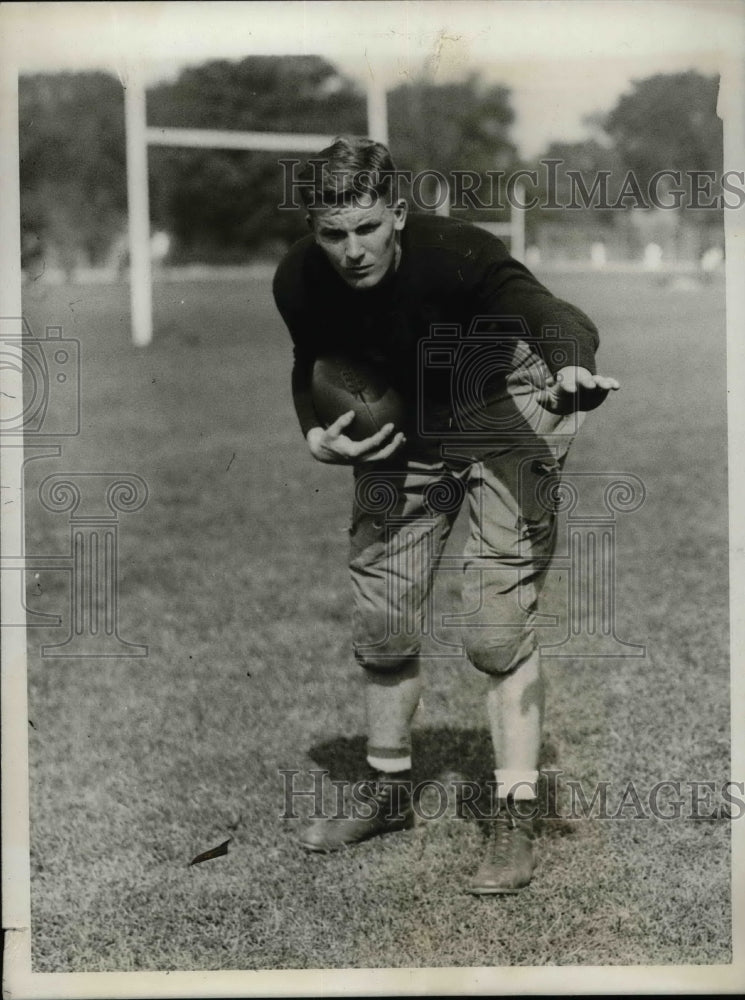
(347, 170)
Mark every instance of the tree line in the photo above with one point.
(221, 205)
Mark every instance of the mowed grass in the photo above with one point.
(234, 576)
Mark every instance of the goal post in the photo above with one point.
(139, 136)
(138, 203)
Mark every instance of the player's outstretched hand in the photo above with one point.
(576, 388)
(333, 446)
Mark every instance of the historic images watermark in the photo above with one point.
(93, 502)
(559, 798)
(50, 369)
(549, 187)
(40, 420)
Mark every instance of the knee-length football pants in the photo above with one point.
(507, 473)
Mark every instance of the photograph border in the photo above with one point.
(21, 983)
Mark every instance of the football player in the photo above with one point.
(372, 281)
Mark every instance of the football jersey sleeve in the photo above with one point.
(290, 299)
(504, 286)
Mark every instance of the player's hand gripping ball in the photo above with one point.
(341, 384)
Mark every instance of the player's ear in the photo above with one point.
(309, 221)
(400, 211)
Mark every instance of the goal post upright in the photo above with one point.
(515, 228)
(517, 223)
(140, 272)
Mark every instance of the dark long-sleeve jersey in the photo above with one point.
(450, 274)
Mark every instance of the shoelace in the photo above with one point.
(391, 797)
(504, 839)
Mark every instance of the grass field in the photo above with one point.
(234, 575)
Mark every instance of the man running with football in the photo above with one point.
(405, 293)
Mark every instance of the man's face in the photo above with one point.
(359, 239)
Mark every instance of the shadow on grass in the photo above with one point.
(446, 753)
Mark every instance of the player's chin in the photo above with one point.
(364, 278)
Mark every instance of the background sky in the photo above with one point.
(562, 59)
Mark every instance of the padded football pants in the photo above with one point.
(506, 467)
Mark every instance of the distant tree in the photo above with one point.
(567, 172)
(222, 204)
(462, 125)
(665, 122)
(668, 122)
(218, 204)
(72, 165)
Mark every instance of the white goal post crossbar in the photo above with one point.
(139, 136)
(207, 138)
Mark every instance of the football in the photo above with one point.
(340, 384)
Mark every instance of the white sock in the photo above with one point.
(390, 765)
(520, 784)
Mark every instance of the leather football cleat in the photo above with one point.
(384, 806)
(511, 859)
